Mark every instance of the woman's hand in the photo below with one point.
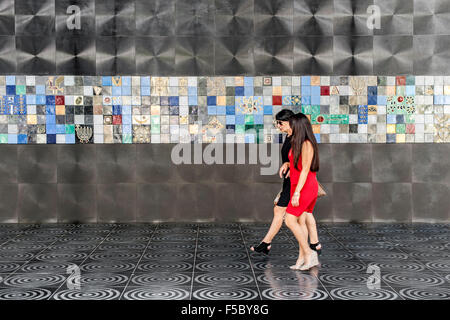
(295, 200)
(283, 170)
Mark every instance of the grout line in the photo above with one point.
(195, 257)
(381, 279)
(137, 264)
(250, 261)
(79, 265)
(38, 253)
(320, 281)
(24, 230)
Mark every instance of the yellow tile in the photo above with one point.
(155, 110)
(239, 81)
(31, 119)
(372, 109)
(390, 90)
(315, 80)
(401, 138)
(221, 101)
(316, 128)
(447, 90)
(390, 128)
(60, 110)
(276, 91)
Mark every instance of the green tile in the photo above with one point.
(382, 81)
(240, 129)
(21, 90)
(155, 129)
(127, 138)
(306, 109)
(3, 138)
(410, 80)
(338, 118)
(249, 119)
(400, 128)
(155, 120)
(410, 118)
(70, 129)
(315, 109)
(401, 90)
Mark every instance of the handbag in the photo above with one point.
(275, 201)
(321, 192)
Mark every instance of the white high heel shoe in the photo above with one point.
(298, 264)
(313, 261)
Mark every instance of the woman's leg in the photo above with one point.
(293, 224)
(312, 228)
(277, 222)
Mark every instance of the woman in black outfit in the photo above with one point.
(281, 202)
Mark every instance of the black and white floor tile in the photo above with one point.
(208, 261)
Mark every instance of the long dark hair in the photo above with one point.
(284, 115)
(301, 131)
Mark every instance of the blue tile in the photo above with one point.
(240, 119)
(70, 138)
(372, 100)
(258, 119)
(145, 81)
(249, 138)
(239, 91)
(60, 129)
(212, 110)
(117, 110)
(50, 110)
(248, 81)
(51, 138)
(230, 120)
(381, 100)
(410, 90)
(116, 91)
(230, 110)
(106, 81)
(126, 128)
(50, 128)
(391, 118)
(446, 99)
(211, 100)
(145, 91)
(439, 99)
(268, 110)
(317, 136)
(10, 80)
(315, 100)
(306, 91)
(192, 91)
(173, 101)
(127, 119)
(400, 118)
(372, 90)
(192, 100)
(306, 100)
(126, 91)
(50, 100)
(315, 91)
(126, 110)
(11, 90)
(126, 81)
(12, 138)
(31, 99)
(248, 91)
(390, 138)
(221, 110)
(40, 90)
(306, 81)
(22, 139)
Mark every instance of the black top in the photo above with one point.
(285, 149)
(285, 152)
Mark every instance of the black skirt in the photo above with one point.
(285, 195)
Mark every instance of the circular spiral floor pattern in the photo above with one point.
(213, 261)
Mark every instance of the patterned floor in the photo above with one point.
(212, 261)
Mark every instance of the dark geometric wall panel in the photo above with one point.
(224, 37)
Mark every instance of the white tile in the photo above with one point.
(352, 118)
(155, 138)
(429, 137)
(295, 81)
(420, 80)
(276, 81)
(429, 80)
(362, 128)
(61, 139)
(41, 138)
(98, 138)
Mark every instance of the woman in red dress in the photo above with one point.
(303, 164)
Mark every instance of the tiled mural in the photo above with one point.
(144, 109)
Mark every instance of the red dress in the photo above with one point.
(308, 194)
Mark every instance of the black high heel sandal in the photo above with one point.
(262, 247)
(314, 246)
